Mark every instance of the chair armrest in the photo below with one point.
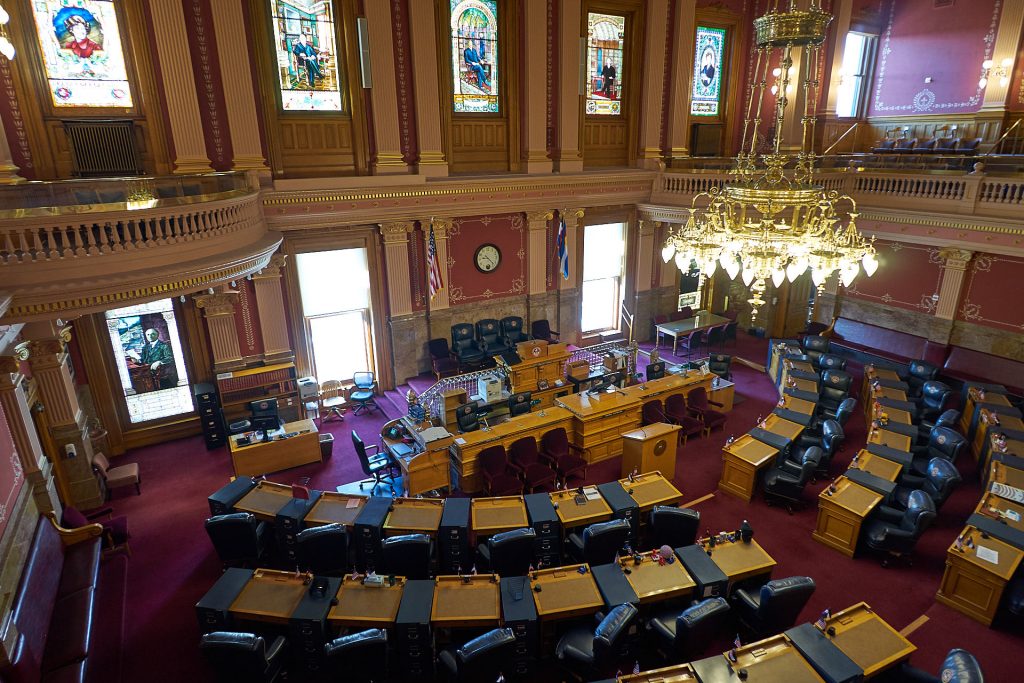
(786, 476)
(889, 514)
(741, 596)
(99, 514)
(715, 403)
(912, 480)
(584, 452)
(77, 535)
(374, 446)
(276, 647)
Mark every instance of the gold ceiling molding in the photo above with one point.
(948, 223)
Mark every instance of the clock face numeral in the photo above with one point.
(487, 258)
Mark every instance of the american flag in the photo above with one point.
(563, 250)
(436, 283)
(737, 642)
(636, 667)
(820, 623)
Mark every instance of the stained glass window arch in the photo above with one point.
(706, 96)
(474, 40)
(605, 41)
(81, 50)
(306, 56)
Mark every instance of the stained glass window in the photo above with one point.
(707, 72)
(605, 34)
(475, 55)
(307, 57)
(80, 45)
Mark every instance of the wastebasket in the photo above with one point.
(326, 446)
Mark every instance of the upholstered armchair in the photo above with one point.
(509, 553)
(464, 345)
(358, 657)
(686, 634)
(775, 607)
(442, 361)
(939, 481)
(600, 542)
(943, 442)
(919, 372)
(960, 666)
(782, 485)
(835, 388)
(587, 650)
(814, 347)
(674, 527)
(896, 536)
(481, 659)
(512, 331)
(541, 329)
(407, 555)
(489, 339)
(244, 656)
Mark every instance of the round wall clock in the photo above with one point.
(487, 258)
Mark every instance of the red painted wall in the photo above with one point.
(947, 44)
(989, 295)
(11, 476)
(469, 285)
(247, 320)
(209, 89)
(907, 277)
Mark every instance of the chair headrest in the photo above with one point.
(948, 418)
(922, 369)
(615, 623)
(487, 643)
(945, 438)
(669, 512)
(602, 528)
(940, 469)
(721, 358)
(791, 585)
(356, 641)
(324, 531)
(702, 610)
(831, 429)
(960, 666)
(836, 379)
(847, 405)
(231, 519)
(406, 540)
(514, 536)
(812, 455)
(934, 388)
(234, 640)
(919, 503)
(814, 343)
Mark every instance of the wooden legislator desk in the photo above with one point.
(278, 454)
(600, 420)
(876, 465)
(868, 640)
(573, 514)
(724, 392)
(841, 514)
(367, 605)
(742, 461)
(335, 508)
(799, 405)
(467, 446)
(989, 422)
(680, 673)
(884, 437)
(650, 448)
(778, 351)
(650, 489)
(466, 601)
(975, 397)
(271, 596)
(427, 467)
(782, 427)
(494, 515)
(872, 372)
(773, 659)
(265, 500)
(565, 592)
(414, 516)
(652, 581)
(740, 561)
(797, 370)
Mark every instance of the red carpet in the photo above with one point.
(173, 563)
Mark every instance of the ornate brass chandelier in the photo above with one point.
(772, 220)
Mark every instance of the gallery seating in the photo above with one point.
(775, 607)
(481, 659)
(586, 650)
(360, 657)
(896, 535)
(407, 555)
(239, 538)
(871, 342)
(244, 656)
(884, 146)
(672, 526)
(509, 553)
(566, 458)
(686, 634)
(115, 529)
(600, 542)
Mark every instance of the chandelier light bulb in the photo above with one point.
(6, 49)
(778, 277)
(776, 72)
(1003, 81)
(849, 274)
(987, 64)
(870, 264)
(818, 276)
(682, 263)
(1006, 63)
(982, 83)
(668, 252)
(4, 16)
(748, 276)
(775, 90)
(732, 269)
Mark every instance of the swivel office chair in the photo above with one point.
(466, 417)
(686, 634)
(567, 458)
(721, 365)
(323, 550)
(465, 348)
(377, 466)
(835, 388)
(814, 347)
(932, 400)
(483, 658)
(948, 418)
(359, 657)
(828, 443)
(775, 607)
(362, 393)
(782, 485)
(655, 370)
(960, 666)
(841, 415)
(585, 650)
(939, 481)
(489, 339)
(519, 403)
(512, 331)
(943, 442)
(600, 542)
(896, 536)
(919, 372)
(243, 657)
(239, 538)
(407, 555)
(672, 526)
(830, 361)
(509, 553)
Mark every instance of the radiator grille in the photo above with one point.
(103, 148)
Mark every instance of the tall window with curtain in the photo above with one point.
(603, 249)
(335, 293)
(853, 78)
(474, 36)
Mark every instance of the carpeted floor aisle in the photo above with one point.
(173, 563)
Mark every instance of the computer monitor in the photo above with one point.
(656, 370)
(264, 416)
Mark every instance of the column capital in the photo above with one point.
(441, 228)
(396, 232)
(956, 259)
(38, 349)
(216, 304)
(571, 216)
(538, 220)
(648, 225)
(273, 267)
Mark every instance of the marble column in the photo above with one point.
(570, 120)
(396, 259)
(1011, 20)
(8, 169)
(219, 311)
(439, 302)
(535, 76)
(239, 90)
(179, 86)
(423, 32)
(384, 93)
(271, 308)
(653, 83)
(955, 264)
(678, 124)
(537, 250)
(34, 464)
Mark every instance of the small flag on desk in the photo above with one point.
(958, 544)
(636, 667)
(563, 250)
(820, 623)
(473, 571)
(969, 542)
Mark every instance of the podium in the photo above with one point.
(650, 449)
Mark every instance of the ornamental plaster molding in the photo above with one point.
(955, 259)
(273, 267)
(216, 304)
(538, 220)
(397, 232)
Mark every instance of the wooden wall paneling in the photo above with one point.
(313, 144)
(613, 140)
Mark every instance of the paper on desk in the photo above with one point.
(988, 554)
(459, 440)
(592, 494)
(1013, 515)
(433, 434)
(352, 503)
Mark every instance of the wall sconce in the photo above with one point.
(989, 69)
(6, 48)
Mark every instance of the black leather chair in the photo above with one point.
(919, 372)
(831, 439)
(512, 331)
(239, 538)
(939, 481)
(835, 388)
(509, 553)
(323, 550)
(464, 346)
(655, 370)
(243, 657)
(948, 418)
(377, 465)
(721, 365)
(830, 361)
(541, 329)
(960, 666)
(482, 659)
(672, 526)
(466, 417)
(519, 403)
(407, 556)
(942, 443)
(781, 484)
(489, 339)
(814, 347)
(584, 650)
(775, 607)
(896, 535)
(599, 542)
(358, 657)
(932, 400)
(841, 415)
(686, 635)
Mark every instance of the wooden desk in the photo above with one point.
(651, 448)
(897, 415)
(841, 515)
(776, 355)
(740, 561)
(427, 469)
(877, 465)
(467, 446)
(975, 396)
(651, 489)
(786, 378)
(565, 593)
(466, 601)
(367, 605)
(774, 659)
(652, 581)
(494, 515)
(261, 458)
(871, 372)
(724, 393)
(868, 640)
(972, 585)
(270, 596)
(680, 673)
(741, 462)
(803, 384)
(335, 508)
(890, 439)
(571, 514)
(1010, 512)
(680, 328)
(265, 500)
(782, 427)
(987, 424)
(414, 516)
(799, 405)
